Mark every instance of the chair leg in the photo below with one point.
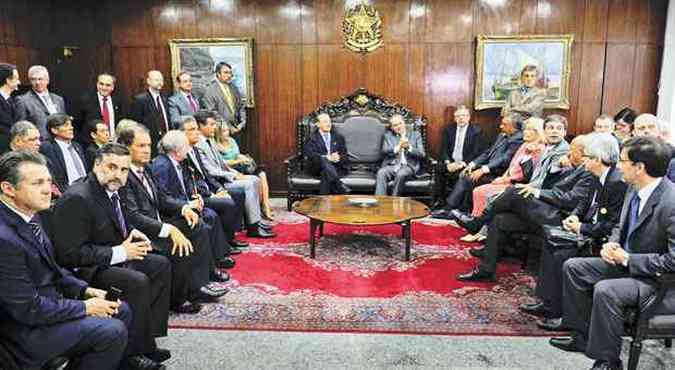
(634, 354)
(668, 343)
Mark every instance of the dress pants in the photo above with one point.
(444, 181)
(461, 194)
(549, 280)
(398, 173)
(595, 295)
(250, 186)
(328, 172)
(500, 230)
(146, 286)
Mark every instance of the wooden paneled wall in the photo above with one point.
(427, 62)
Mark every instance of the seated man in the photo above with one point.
(167, 221)
(597, 291)
(601, 213)
(24, 136)
(549, 168)
(326, 154)
(403, 151)
(486, 167)
(525, 209)
(65, 157)
(206, 159)
(98, 134)
(461, 144)
(45, 312)
(92, 234)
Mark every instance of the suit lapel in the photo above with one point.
(104, 201)
(40, 102)
(24, 231)
(138, 181)
(648, 209)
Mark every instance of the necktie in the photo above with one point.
(48, 103)
(38, 233)
(192, 103)
(115, 199)
(459, 145)
(326, 142)
(79, 167)
(144, 181)
(633, 214)
(181, 180)
(105, 114)
(158, 101)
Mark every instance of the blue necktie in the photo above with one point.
(326, 141)
(118, 214)
(633, 214)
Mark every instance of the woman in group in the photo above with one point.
(519, 171)
(243, 163)
(623, 129)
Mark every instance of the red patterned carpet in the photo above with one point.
(359, 283)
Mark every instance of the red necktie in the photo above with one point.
(192, 103)
(104, 111)
(161, 112)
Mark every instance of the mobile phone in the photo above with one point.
(113, 294)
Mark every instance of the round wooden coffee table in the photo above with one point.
(337, 209)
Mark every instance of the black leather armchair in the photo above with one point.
(362, 118)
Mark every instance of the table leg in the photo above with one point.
(407, 236)
(312, 237)
(321, 229)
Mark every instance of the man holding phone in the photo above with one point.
(92, 235)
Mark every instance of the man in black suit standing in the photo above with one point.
(598, 290)
(65, 157)
(108, 252)
(326, 155)
(46, 312)
(9, 82)
(101, 104)
(151, 108)
(461, 143)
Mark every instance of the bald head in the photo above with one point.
(155, 80)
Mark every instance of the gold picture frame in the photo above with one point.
(499, 60)
(200, 56)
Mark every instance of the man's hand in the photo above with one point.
(99, 307)
(617, 254)
(190, 216)
(565, 161)
(136, 250)
(180, 243)
(476, 174)
(197, 203)
(572, 224)
(467, 169)
(526, 190)
(222, 194)
(404, 143)
(137, 234)
(607, 252)
(235, 129)
(455, 166)
(334, 157)
(94, 293)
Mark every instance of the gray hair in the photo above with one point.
(556, 118)
(33, 70)
(661, 125)
(603, 146)
(20, 129)
(582, 140)
(608, 118)
(124, 124)
(172, 141)
(536, 121)
(516, 119)
(185, 120)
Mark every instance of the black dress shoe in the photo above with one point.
(607, 365)
(219, 276)
(260, 233)
(477, 252)
(186, 307)
(437, 206)
(234, 251)
(159, 354)
(207, 295)
(569, 344)
(342, 188)
(477, 275)
(441, 214)
(536, 309)
(240, 244)
(554, 324)
(140, 362)
(265, 225)
(469, 223)
(226, 263)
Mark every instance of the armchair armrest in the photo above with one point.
(294, 164)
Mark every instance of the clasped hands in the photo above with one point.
(96, 305)
(333, 157)
(613, 254)
(572, 224)
(474, 175)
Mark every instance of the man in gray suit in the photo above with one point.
(38, 103)
(597, 290)
(223, 97)
(182, 102)
(403, 151)
(555, 129)
(528, 99)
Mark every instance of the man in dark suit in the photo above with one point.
(223, 97)
(99, 134)
(38, 103)
(593, 220)
(326, 154)
(182, 102)
(461, 143)
(108, 252)
(172, 226)
(9, 82)
(101, 104)
(486, 167)
(525, 209)
(597, 291)
(65, 157)
(46, 312)
(403, 153)
(150, 108)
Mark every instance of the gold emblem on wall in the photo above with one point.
(362, 28)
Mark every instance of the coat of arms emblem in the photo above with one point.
(362, 28)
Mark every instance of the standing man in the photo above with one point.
(528, 99)
(182, 102)
(403, 152)
(150, 108)
(598, 290)
(65, 157)
(461, 143)
(326, 154)
(45, 311)
(223, 97)
(107, 251)
(9, 82)
(100, 104)
(38, 103)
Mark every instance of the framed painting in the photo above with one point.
(500, 59)
(198, 57)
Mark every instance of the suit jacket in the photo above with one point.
(568, 193)
(84, 227)
(167, 181)
(179, 106)
(530, 104)
(56, 163)
(90, 108)
(90, 154)
(474, 143)
(608, 199)
(414, 155)
(205, 184)
(498, 157)
(549, 163)
(214, 163)
(144, 110)
(315, 147)
(30, 107)
(652, 241)
(214, 99)
(35, 291)
(8, 115)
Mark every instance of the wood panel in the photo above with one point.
(623, 20)
(620, 65)
(595, 20)
(589, 102)
(647, 70)
(441, 28)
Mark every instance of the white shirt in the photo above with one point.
(646, 192)
(111, 113)
(71, 166)
(4, 95)
(24, 216)
(458, 151)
